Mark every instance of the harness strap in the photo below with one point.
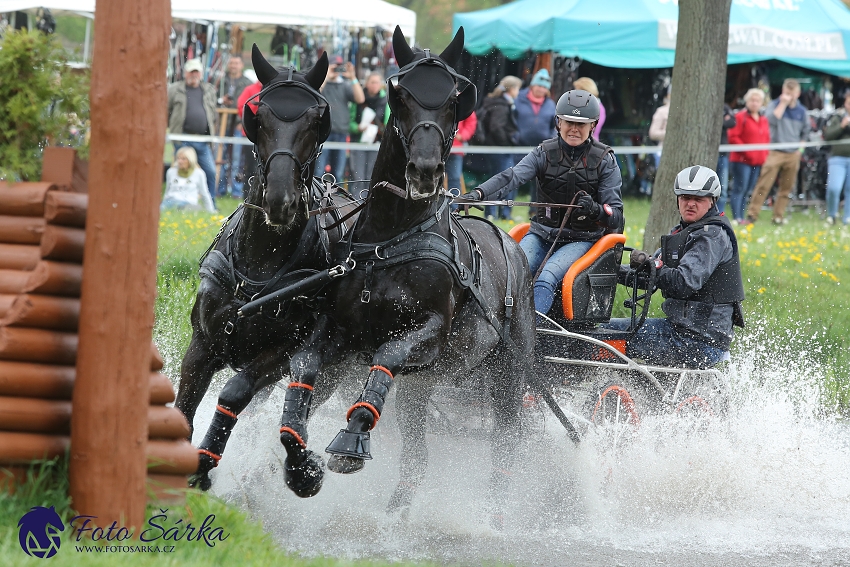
(366, 294)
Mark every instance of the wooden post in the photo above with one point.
(109, 422)
(224, 115)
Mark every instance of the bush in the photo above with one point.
(42, 101)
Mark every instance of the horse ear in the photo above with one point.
(265, 71)
(249, 123)
(451, 54)
(392, 99)
(316, 76)
(402, 51)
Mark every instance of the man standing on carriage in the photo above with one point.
(699, 274)
(570, 169)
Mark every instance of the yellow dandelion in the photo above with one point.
(758, 262)
(761, 290)
(804, 274)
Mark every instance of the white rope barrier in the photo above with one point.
(621, 150)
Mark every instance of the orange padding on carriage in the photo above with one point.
(605, 354)
(294, 433)
(226, 412)
(519, 231)
(382, 369)
(369, 407)
(213, 456)
(603, 244)
(300, 385)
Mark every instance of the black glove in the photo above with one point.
(475, 195)
(589, 208)
(637, 257)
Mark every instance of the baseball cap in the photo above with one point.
(193, 65)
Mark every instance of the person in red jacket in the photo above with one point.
(750, 128)
(249, 163)
(454, 165)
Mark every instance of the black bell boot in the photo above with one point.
(303, 469)
(212, 447)
(350, 447)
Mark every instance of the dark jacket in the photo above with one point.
(728, 122)
(534, 128)
(834, 131)
(701, 279)
(501, 126)
(535, 166)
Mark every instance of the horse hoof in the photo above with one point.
(201, 481)
(305, 480)
(345, 465)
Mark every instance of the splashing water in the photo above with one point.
(767, 483)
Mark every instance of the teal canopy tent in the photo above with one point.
(641, 34)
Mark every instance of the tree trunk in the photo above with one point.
(696, 107)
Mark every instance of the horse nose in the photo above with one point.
(425, 170)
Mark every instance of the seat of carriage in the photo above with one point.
(586, 297)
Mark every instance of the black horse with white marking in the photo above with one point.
(430, 298)
(270, 242)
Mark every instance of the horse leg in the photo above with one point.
(411, 403)
(303, 468)
(507, 391)
(196, 372)
(234, 397)
(350, 447)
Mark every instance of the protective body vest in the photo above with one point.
(564, 178)
(706, 313)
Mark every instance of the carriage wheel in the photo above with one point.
(694, 405)
(616, 407)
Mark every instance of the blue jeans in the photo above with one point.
(556, 267)
(658, 342)
(205, 161)
(236, 166)
(723, 174)
(335, 157)
(838, 181)
(744, 178)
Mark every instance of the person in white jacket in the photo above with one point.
(186, 184)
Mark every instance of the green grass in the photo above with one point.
(246, 542)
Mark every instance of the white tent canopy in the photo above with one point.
(362, 13)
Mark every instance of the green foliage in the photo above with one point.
(42, 101)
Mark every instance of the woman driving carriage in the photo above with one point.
(699, 275)
(571, 168)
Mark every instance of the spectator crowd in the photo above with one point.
(515, 113)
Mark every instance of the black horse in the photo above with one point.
(429, 297)
(270, 242)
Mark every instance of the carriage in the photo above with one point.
(585, 366)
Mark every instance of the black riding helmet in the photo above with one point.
(577, 106)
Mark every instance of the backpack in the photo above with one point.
(479, 138)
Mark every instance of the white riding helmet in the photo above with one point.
(697, 180)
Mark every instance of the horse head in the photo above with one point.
(288, 120)
(427, 98)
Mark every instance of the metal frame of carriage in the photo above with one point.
(587, 297)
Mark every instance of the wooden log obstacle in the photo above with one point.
(42, 236)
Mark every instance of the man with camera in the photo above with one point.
(341, 87)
